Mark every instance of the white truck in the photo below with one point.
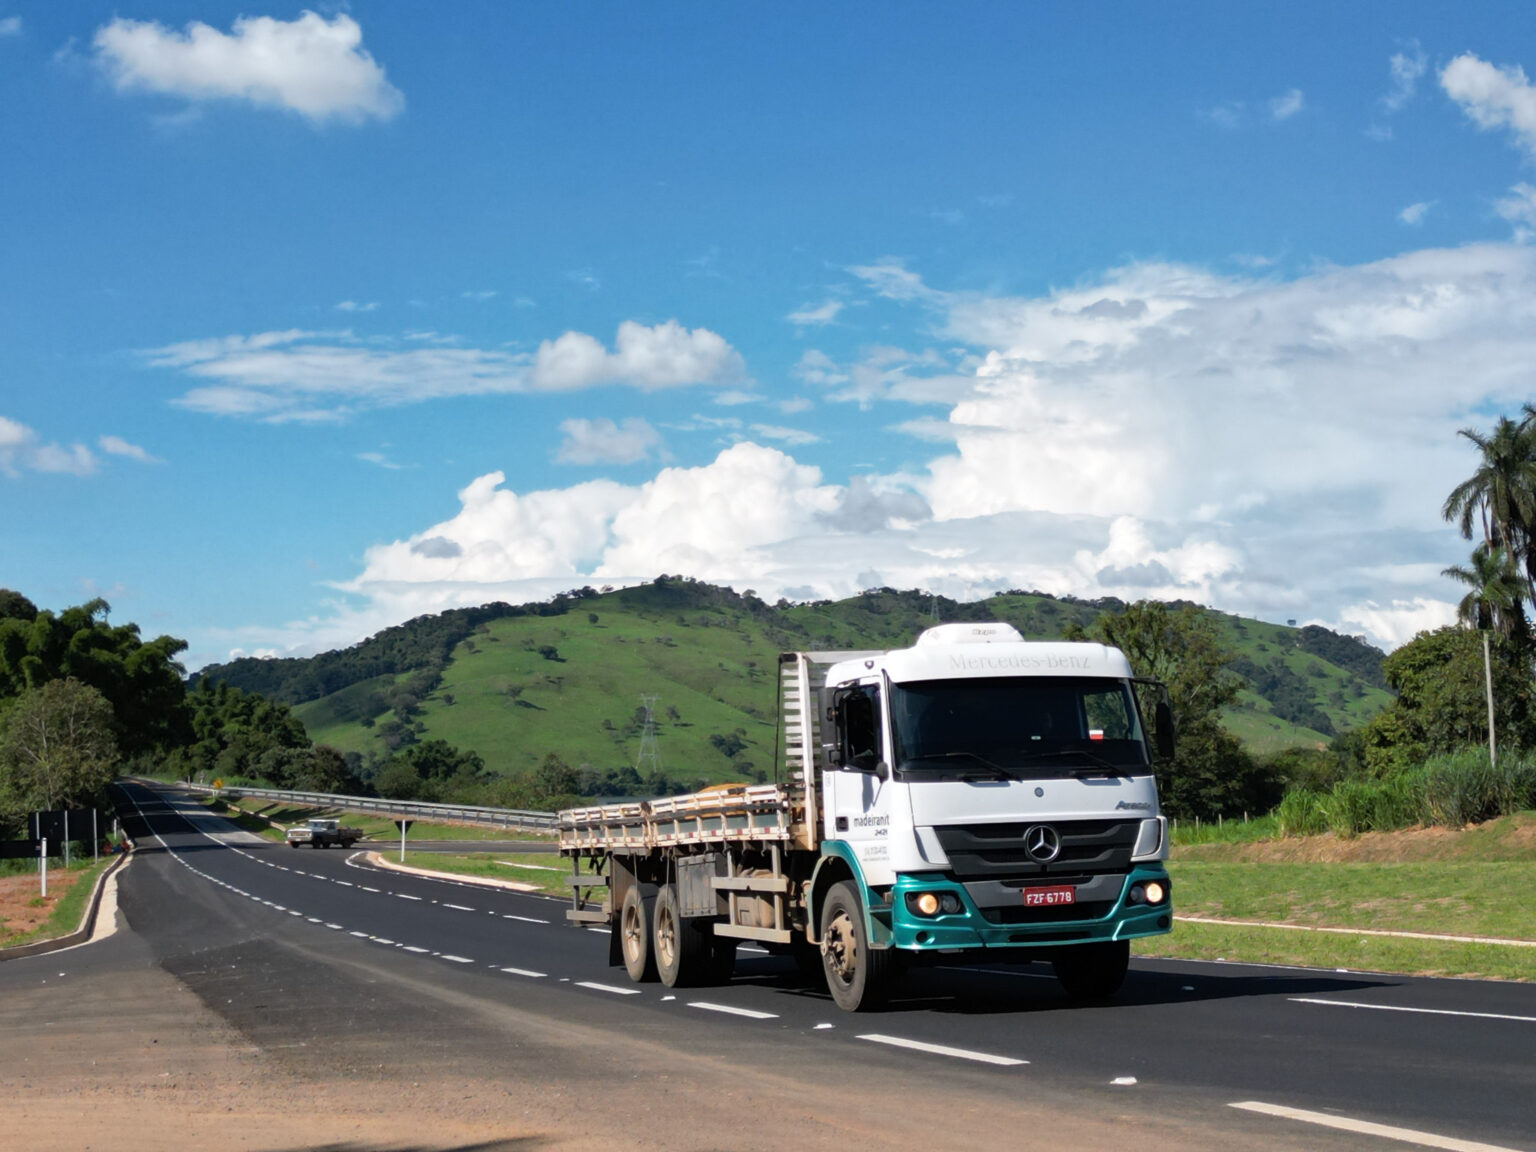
(321, 832)
(975, 795)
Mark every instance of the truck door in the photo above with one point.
(857, 783)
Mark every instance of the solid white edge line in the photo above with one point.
(607, 988)
(1402, 1008)
(749, 1013)
(1366, 1128)
(941, 1050)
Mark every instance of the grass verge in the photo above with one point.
(546, 872)
(69, 889)
(270, 819)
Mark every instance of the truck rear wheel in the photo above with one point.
(1093, 971)
(682, 948)
(635, 920)
(857, 975)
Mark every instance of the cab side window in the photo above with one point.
(858, 727)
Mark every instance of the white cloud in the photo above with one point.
(782, 435)
(1285, 106)
(601, 441)
(664, 356)
(817, 316)
(891, 278)
(117, 446)
(1519, 208)
(10, 26)
(1273, 448)
(1397, 622)
(1406, 67)
(380, 460)
(357, 306)
(480, 296)
(1494, 97)
(297, 375)
(311, 66)
(22, 451)
(1229, 115)
(1414, 214)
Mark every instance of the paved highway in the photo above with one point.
(276, 939)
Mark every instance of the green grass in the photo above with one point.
(547, 872)
(66, 914)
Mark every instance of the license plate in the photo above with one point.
(1049, 897)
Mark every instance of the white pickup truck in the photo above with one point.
(970, 796)
(320, 832)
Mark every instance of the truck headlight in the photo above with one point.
(934, 903)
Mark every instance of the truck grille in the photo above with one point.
(996, 851)
(1018, 914)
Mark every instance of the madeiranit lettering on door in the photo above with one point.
(970, 663)
(871, 821)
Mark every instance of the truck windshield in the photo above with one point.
(1017, 727)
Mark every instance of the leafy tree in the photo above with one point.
(1492, 602)
(1211, 775)
(237, 733)
(1501, 492)
(433, 770)
(57, 748)
(15, 606)
(555, 780)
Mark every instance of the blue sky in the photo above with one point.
(315, 320)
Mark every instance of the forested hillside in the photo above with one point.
(516, 684)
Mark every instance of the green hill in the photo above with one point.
(515, 683)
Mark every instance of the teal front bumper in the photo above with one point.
(970, 928)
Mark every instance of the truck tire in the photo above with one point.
(293, 843)
(857, 975)
(682, 948)
(1092, 971)
(636, 915)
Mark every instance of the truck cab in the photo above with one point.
(984, 792)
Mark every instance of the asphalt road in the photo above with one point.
(294, 948)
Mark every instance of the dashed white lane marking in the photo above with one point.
(381, 940)
(457, 959)
(1366, 1128)
(404, 896)
(604, 931)
(524, 919)
(1423, 1011)
(364, 935)
(732, 1011)
(607, 988)
(418, 951)
(337, 927)
(526, 972)
(751, 948)
(344, 883)
(460, 908)
(365, 888)
(942, 1050)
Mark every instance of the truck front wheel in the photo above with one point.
(1093, 971)
(857, 975)
(636, 915)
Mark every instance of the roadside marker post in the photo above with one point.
(42, 865)
(404, 826)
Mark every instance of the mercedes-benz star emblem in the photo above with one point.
(1043, 843)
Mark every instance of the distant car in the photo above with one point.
(322, 833)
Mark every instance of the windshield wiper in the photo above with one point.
(995, 771)
(1100, 764)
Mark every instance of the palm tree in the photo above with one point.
(1502, 492)
(1492, 604)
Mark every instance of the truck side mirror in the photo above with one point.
(1164, 733)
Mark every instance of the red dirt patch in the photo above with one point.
(22, 911)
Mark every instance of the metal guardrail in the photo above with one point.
(463, 813)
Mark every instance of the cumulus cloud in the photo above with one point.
(298, 375)
(311, 66)
(1494, 97)
(21, 450)
(601, 441)
(1519, 208)
(10, 26)
(1414, 214)
(1278, 448)
(357, 306)
(664, 356)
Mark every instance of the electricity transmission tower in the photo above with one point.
(649, 759)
